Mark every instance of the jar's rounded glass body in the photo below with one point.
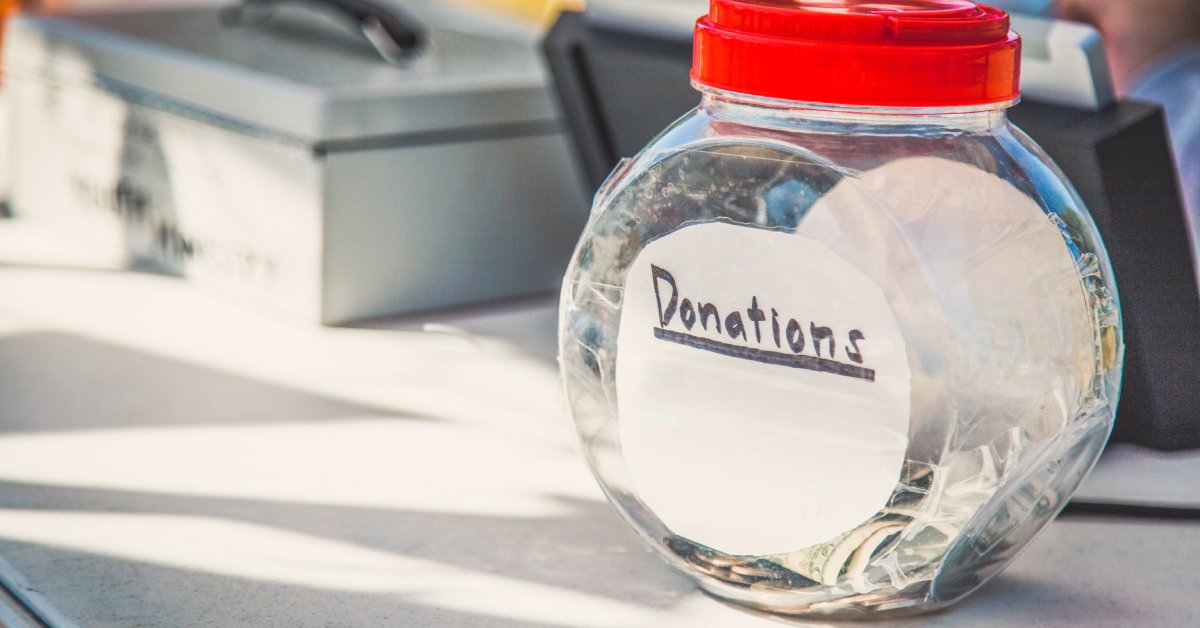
(839, 361)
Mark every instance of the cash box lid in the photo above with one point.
(301, 74)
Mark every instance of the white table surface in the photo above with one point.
(170, 456)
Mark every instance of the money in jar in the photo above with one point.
(841, 340)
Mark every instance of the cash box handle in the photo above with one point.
(395, 35)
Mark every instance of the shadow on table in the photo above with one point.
(114, 386)
(529, 324)
(135, 488)
(351, 565)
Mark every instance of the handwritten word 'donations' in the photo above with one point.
(813, 348)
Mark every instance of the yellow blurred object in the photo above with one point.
(538, 11)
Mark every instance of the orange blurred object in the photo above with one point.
(7, 8)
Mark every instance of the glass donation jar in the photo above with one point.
(841, 340)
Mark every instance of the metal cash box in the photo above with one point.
(285, 159)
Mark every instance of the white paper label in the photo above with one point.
(763, 389)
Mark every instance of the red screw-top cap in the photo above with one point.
(906, 53)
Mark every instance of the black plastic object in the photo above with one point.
(393, 33)
(1120, 162)
(618, 87)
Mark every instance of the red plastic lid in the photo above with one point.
(907, 53)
